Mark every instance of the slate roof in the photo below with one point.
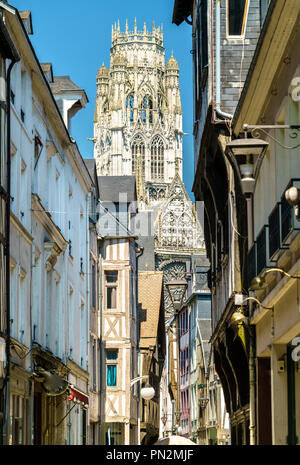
(111, 186)
(149, 299)
(63, 84)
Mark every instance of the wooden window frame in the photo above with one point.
(242, 36)
(110, 285)
(112, 362)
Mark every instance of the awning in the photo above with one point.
(78, 397)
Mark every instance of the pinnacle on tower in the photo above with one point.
(135, 30)
(153, 27)
(126, 26)
(118, 26)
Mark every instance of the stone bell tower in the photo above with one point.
(138, 118)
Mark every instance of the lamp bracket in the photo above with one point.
(257, 129)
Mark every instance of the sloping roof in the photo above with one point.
(90, 163)
(111, 187)
(62, 84)
(149, 299)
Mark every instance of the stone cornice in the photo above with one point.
(47, 222)
(20, 228)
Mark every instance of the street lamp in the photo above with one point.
(147, 392)
(247, 155)
(239, 316)
(176, 290)
(259, 282)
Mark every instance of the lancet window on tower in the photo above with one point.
(157, 159)
(129, 107)
(138, 150)
(146, 109)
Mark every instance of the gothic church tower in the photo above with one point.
(138, 118)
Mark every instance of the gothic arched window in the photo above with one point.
(157, 159)
(138, 150)
(146, 109)
(129, 106)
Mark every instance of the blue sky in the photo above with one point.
(75, 36)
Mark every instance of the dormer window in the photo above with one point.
(27, 22)
(236, 17)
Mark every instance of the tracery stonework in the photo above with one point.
(138, 131)
(138, 113)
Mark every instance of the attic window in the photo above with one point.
(236, 17)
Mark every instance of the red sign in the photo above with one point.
(79, 397)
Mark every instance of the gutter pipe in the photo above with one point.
(217, 109)
(7, 257)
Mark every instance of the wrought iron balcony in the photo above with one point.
(262, 249)
(252, 265)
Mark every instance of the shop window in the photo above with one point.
(236, 17)
(19, 424)
(111, 283)
(112, 434)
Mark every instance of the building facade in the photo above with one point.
(49, 276)
(8, 54)
(273, 250)
(138, 131)
(94, 316)
(225, 35)
(118, 311)
(151, 350)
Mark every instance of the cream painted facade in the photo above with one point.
(275, 226)
(49, 256)
(119, 341)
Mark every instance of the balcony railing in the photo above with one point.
(252, 265)
(262, 249)
(282, 227)
(274, 231)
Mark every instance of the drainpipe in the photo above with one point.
(7, 257)
(31, 357)
(139, 252)
(88, 203)
(218, 110)
(252, 380)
